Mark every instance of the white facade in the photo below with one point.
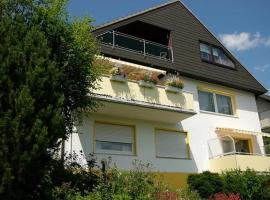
(200, 128)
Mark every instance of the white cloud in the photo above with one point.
(242, 41)
(267, 42)
(263, 68)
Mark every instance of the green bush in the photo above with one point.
(249, 184)
(137, 184)
(206, 183)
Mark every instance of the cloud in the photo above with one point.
(263, 68)
(242, 41)
(267, 42)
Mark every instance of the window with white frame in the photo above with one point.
(213, 102)
(115, 139)
(171, 144)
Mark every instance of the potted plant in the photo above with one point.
(174, 85)
(118, 74)
(148, 80)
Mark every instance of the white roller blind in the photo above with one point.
(171, 144)
(114, 133)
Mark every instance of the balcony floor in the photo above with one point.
(143, 111)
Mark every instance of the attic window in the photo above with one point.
(215, 55)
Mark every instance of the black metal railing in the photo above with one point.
(139, 45)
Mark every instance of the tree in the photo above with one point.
(46, 79)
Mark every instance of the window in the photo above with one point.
(215, 55)
(213, 102)
(224, 104)
(205, 52)
(206, 100)
(242, 146)
(111, 138)
(171, 144)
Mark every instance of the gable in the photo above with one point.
(187, 32)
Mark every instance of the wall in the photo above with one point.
(201, 127)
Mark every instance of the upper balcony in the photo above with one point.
(137, 45)
(143, 100)
(265, 121)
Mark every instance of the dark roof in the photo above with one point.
(187, 30)
(265, 97)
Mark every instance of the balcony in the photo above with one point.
(130, 100)
(265, 121)
(137, 45)
(259, 163)
(238, 150)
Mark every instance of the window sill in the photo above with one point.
(162, 157)
(218, 64)
(218, 114)
(114, 154)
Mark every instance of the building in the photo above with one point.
(212, 123)
(263, 105)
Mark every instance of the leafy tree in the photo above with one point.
(46, 79)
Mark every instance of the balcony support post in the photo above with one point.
(144, 48)
(113, 39)
(172, 54)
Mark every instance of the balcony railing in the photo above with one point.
(135, 44)
(225, 156)
(131, 100)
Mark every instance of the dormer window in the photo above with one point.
(215, 55)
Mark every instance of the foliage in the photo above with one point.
(70, 177)
(137, 184)
(148, 77)
(45, 77)
(187, 194)
(103, 65)
(118, 71)
(223, 196)
(248, 183)
(206, 183)
(175, 82)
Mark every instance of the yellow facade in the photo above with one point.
(258, 163)
(174, 180)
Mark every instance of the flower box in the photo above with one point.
(173, 89)
(147, 84)
(118, 78)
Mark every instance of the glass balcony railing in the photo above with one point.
(131, 43)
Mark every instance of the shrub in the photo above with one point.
(135, 184)
(248, 183)
(223, 196)
(206, 183)
(188, 194)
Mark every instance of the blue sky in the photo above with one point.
(242, 25)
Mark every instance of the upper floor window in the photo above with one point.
(215, 55)
(213, 102)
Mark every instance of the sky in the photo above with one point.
(243, 26)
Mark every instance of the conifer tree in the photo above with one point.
(46, 79)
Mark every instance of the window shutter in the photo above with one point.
(171, 144)
(114, 133)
